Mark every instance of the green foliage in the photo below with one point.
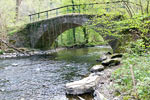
(1, 52)
(137, 54)
(124, 29)
(8, 13)
(108, 24)
(141, 68)
(95, 38)
(13, 30)
(66, 39)
(137, 47)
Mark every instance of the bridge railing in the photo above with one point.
(92, 8)
(80, 8)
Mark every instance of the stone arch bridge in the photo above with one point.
(42, 33)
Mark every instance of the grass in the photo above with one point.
(123, 79)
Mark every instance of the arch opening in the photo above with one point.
(52, 28)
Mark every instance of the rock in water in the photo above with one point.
(111, 62)
(102, 58)
(117, 55)
(9, 51)
(86, 85)
(97, 68)
(14, 64)
(108, 53)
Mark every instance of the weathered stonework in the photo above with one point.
(42, 34)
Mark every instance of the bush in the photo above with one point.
(137, 47)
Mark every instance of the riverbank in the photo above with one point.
(128, 81)
(98, 81)
(105, 87)
(131, 80)
(27, 53)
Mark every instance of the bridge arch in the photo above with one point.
(43, 33)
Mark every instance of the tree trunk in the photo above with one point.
(9, 46)
(127, 8)
(147, 8)
(141, 7)
(85, 35)
(74, 35)
(18, 2)
(3, 28)
(73, 8)
(74, 30)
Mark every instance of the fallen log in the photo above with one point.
(12, 47)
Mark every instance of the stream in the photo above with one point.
(44, 77)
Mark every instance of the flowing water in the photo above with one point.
(44, 77)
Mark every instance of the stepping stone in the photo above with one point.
(102, 58)
(97, 68)
(111, 62)
(116, 55)
(86, 85)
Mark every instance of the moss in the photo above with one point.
(126, 98)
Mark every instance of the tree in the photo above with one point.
(140, 2)
(147, 8)
(18, 2)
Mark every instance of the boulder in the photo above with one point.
(99, 96)
(23, 49)
(102, 58)
(97, 73)
(97, 68)
(116, 55)
(86, 85)
(111, 62)
(108, 53)
(9, 51)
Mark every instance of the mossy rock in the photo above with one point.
(97, 68)
(117, 55)
(111, 62)
(9, 51)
